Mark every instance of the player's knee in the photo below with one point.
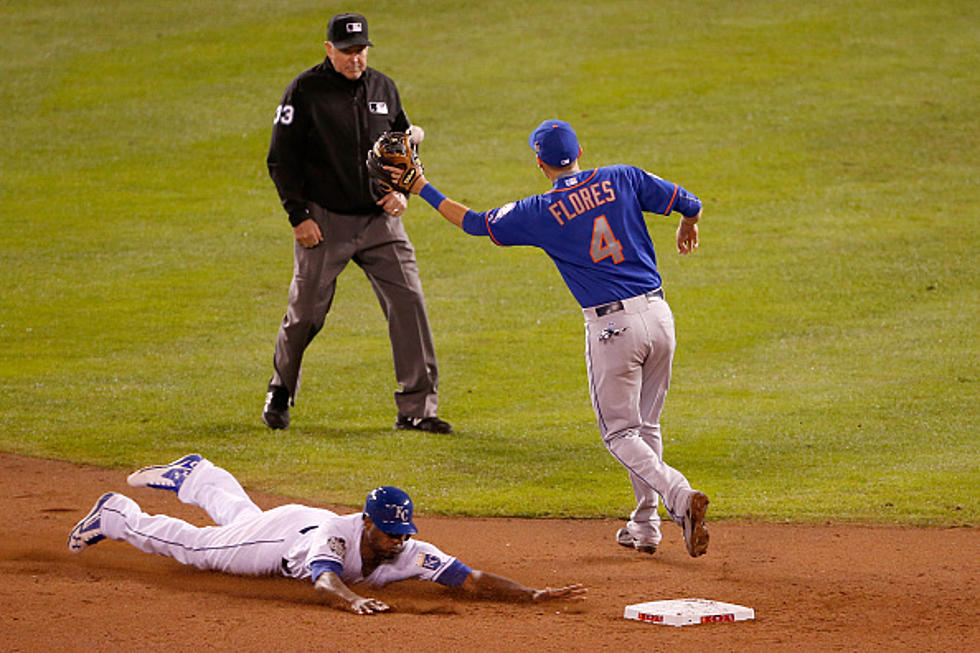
(617, 436)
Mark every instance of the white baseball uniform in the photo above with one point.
(293, 540)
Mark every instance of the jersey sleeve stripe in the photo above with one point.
(486, 218)
(670, 204)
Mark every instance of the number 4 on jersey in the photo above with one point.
(604, 243)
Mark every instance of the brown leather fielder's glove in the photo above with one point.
(394, 149)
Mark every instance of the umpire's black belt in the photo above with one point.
(612, 307)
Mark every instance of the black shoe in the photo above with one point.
(276, 411)
(430, 424)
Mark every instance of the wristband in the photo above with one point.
(432, 196)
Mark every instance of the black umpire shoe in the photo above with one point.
(276, 411)
(431, 424)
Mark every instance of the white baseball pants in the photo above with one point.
(246, 540)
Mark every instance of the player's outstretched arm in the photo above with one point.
(488, 585)
(342, 597)
(448, 208)
(453, 211)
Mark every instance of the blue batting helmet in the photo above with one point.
(391, 510)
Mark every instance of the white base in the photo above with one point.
(686, 612)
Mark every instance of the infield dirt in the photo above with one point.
(813, 587)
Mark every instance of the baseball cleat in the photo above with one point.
(431, 424)
(695, 530)
(275, 414)
(88, 531)
(165, 477)
(625, 538)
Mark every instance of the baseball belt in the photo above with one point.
(617, 305)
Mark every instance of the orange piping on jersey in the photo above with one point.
(672, 198)
(486, 219)
(581, 183)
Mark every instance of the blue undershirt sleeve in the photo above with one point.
(454, 574)
(317, 567)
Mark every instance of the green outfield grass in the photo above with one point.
(827, 363)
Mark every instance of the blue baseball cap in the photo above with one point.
(555, 142)
(391, 510)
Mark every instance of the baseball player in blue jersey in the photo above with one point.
(374, 546)
(591, 224)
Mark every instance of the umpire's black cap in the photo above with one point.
(345, 30)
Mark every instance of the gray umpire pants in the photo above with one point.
(379, 244)
(629, 353)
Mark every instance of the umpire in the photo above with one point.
(329, 117)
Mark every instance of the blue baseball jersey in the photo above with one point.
(591, 225)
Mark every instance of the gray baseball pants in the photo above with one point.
(379, 244)
(628, 357)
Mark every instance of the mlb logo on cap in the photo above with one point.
(346, 30)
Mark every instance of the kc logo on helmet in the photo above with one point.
(354, 27)
(401, 513)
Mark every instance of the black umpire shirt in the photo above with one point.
(323, 130)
